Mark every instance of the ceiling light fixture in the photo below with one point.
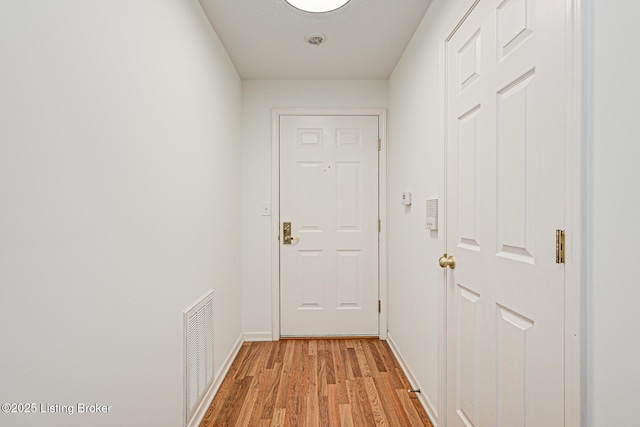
(317, 6)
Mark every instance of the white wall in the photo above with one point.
(612, 318)
(415, 165)
(259, 97)
(613, 342)
(119, 204)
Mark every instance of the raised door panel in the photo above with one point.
(467, 357)
(516, 20)
(467, 171)
(513, 354)
(515, 171)
(309, 187)
(348, 280)
(312, 277)
(349, 196)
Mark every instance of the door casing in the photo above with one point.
(276, 113)
(575, 210)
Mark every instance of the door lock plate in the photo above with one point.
(286, 233)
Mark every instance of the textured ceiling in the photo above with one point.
(364, 38)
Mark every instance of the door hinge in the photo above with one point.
(379, 226)
(379, 144)
(379, 306)
(560, 247)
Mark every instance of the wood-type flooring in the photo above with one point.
(315, 382)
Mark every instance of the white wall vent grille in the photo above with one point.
(198, 347)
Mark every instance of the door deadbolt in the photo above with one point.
(286, 234)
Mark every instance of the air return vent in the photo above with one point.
(198, 346)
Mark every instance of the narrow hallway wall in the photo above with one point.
(415, 166)
(613, 347)
(119, 205)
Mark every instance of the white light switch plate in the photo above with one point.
(266, 208)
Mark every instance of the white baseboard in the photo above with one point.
(199, 413)
(258, 336)
(422, 398)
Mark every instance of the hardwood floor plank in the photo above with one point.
(315, 383)
(373, 349)
(296, 400)
(371, 362)
(345, 361)
(247, 362)
(420, 411)
(225, 400)
(216, 406)
(329, 366)
(356, 411)
(363, 400)
(341, 377)
(312, 391)
(278, 417)
(345, 416)
(391, 401)
(257, 408)
(375, 402)
(264, 379)
(278, 354)
(260, 358)
(273, 354)
(332, 402)
(272, 393)
(244, 414)
(404, 382)
(354, 362)
(365, 370)
(390, 363)
(409, 409)
(231, 409)
(386, 354)
(321, 370)
(323, 410)
(283, 389)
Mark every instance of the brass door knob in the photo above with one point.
(449, 261)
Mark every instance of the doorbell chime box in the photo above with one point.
(432, 214)
(406, 199)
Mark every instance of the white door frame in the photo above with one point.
(275, 205)
(575, 211)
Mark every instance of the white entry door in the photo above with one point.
(329, 195)
(505, 200)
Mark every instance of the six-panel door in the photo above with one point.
(329, 193)
(505, 199)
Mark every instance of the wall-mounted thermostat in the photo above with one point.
(432, 214)
(406, 199)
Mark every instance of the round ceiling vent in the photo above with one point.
(315, 39)
(317, 6)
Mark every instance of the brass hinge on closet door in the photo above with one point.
(560, 247)
(379, 144)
